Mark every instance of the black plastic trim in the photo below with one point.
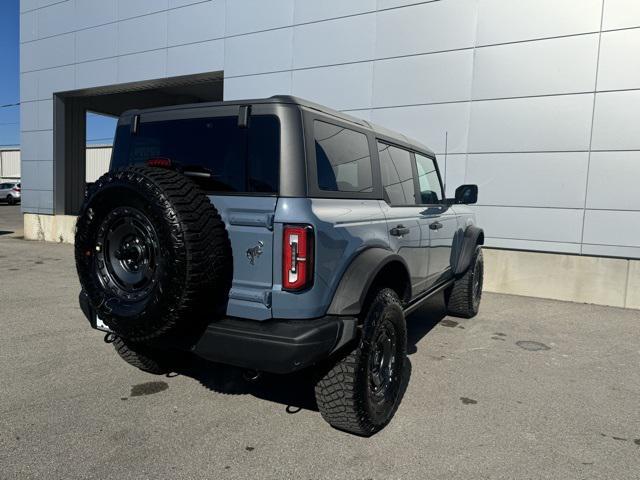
(417, 303)
(275, 346)
(358, 278)
(473, 236)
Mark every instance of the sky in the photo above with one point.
(9, 76)
(99, 129)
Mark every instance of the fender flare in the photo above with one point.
(472, 237)
(358, 278)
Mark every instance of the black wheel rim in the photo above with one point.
(477, 281)
(128, 253)
(382, 362)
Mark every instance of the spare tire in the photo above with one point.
(152, 253)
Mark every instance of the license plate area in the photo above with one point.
(100, 325)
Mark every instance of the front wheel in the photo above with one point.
(463, 297)
(362, 391)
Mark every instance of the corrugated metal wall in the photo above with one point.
(97, 163)
(9, 163)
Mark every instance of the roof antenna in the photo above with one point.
(446, 145)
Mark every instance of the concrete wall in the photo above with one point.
(597, 280)
(539, 100)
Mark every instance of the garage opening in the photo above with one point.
(73, 110)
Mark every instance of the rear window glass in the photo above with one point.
(343, 159)
(215, 152)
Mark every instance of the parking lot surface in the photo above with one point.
(529, 389)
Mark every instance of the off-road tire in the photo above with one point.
(192, 255)
(463, 297)
(143, 357)
(343, 394)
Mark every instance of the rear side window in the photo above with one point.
(343, 159)
(430, 189)
(397, 175)
(218, 155)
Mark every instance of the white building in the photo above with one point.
(536, 101)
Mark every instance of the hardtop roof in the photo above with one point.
(395, 137)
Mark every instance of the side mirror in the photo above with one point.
(467, 194)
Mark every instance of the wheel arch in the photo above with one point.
(472, 237)
(370, 270)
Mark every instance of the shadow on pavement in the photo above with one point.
(296, 391)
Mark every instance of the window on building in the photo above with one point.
(343, 159)
(430, 188)
(397, 175)
(225, 157)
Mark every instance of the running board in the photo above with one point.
(413, 306)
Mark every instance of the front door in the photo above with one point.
(437, 219)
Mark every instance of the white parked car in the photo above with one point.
(10, 192)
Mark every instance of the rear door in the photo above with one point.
(402, 212)
(236, 163)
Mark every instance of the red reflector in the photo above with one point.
(297, 257)
(159, 162)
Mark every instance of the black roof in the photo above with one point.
(292, 100)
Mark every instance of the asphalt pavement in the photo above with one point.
(529, 389)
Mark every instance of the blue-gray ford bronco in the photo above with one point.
(275, 235)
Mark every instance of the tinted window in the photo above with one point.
(343, 159)
(397, 175)
(228, 158)
(430, 189)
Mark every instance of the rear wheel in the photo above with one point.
(362, 391)
(463, 297)
(10, 200)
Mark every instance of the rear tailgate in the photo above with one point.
(249, 221)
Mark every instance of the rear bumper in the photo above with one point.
(276, 346)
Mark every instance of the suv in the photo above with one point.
(10, 192)
(275, 235)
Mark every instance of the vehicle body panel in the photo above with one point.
(344, 224)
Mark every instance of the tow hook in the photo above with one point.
(251, 375)
(109, 338)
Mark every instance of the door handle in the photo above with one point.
(435, 226)
(399, 231)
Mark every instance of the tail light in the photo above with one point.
(159, 162)
(297, 257)
(16, 189)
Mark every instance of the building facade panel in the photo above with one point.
(433, 78)
(306, 11)
(426, 27)
(616, 119)
(613, 181)
(504, 21)
(525, 179)
(539, 124)
(505, 88)
(619, 60)
(246, 16)
(343, 87)
(197, 23)
(541, 67)
(621, 14)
